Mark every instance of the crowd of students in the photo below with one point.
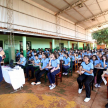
(40, 61)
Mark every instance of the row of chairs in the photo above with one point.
(59, 75)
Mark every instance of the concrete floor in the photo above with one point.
(65, 95)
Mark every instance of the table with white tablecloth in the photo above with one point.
(14, 76)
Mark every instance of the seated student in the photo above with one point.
(50, 56)
(97, 54)
(58, 56)
(42, 70)
(17, 56)
(79, 55)
(83, 53)
(66, 64)
(87, 77)
(76, 56)
(95, 63)
(31, 67)
(29, 59)
(61, 55)
(70, 55)
(33, 55)
(99, 57)
(40, 55)
(28, 53)
(104, 64)
(88, 53)
(55, 63)
(22, 61)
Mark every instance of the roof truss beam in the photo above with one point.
(71, 6)
(94, 17)
(101, 24)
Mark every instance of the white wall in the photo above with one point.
(31, 18)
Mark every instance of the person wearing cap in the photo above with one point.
(1, 57)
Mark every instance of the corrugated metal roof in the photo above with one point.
(90, 8)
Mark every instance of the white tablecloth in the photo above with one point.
(15, 76)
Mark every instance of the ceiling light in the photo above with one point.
(80, 5)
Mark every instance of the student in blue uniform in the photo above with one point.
(58, 56)
(61, 55)
(104, 64)
(17, 56)
(86, 77)
(79, 55)
(55, 63)
(66, 64)
(32, 67)
(1, 57)
(22, 61)
(28, 51)
(42, 70)
(40, 55)
(29, 59)
(95, 63)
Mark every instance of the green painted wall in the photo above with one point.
(37, 43)
(80, 45)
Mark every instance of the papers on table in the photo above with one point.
(81, 72)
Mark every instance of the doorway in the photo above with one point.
(73, 46)
(83, 46)
(61, 45)
(28, 45)
(51, 45)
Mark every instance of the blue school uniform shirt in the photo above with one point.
(67, 60)
(85, 53)
(28, 52)
(88, 67)
(99, 60)
(61, 55)
(37, 51)
(18, 54)
(102, 64)
(32, 53)
(32, 57)
(68, 52)
(89, 54)
(36, 61)
(39, 56)
(23, 59)
(102, 53)
(73, 58)
(79, 56)
(44, 62)
(95, 62)
(70, 56)
(54, 63)
(82, 54)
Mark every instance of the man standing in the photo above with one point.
(1, 57)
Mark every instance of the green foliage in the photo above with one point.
(101, 36)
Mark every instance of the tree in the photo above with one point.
(101, 36)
